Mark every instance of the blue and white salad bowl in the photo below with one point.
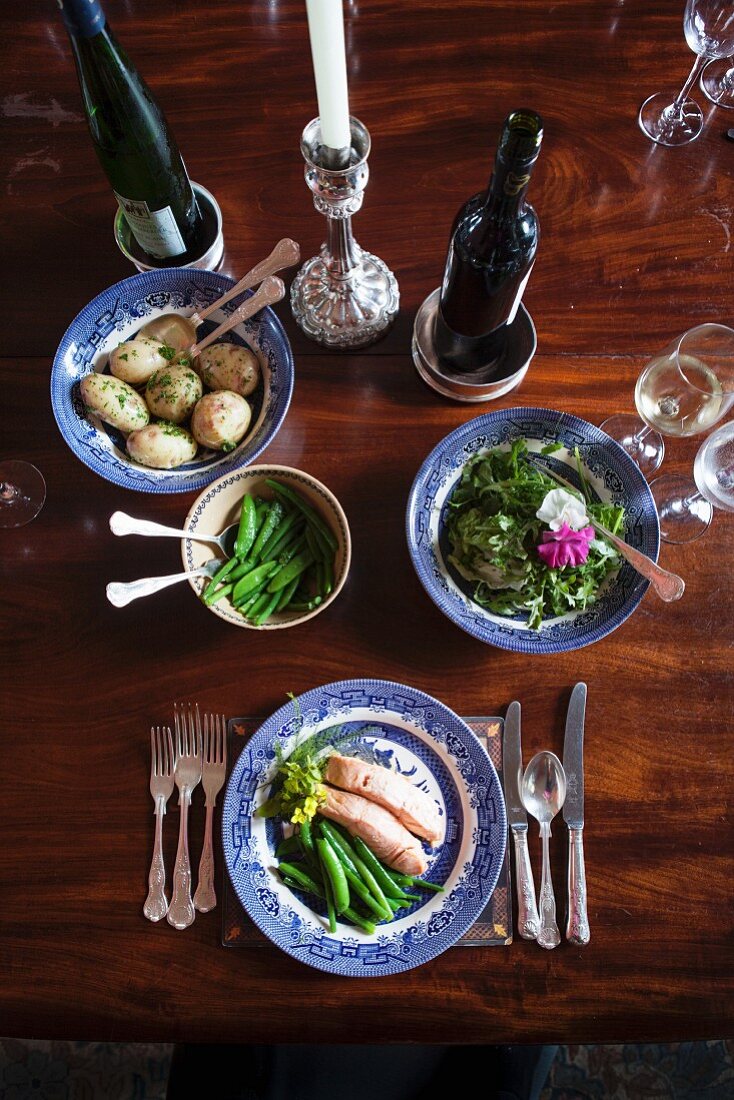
(116, 315)
(423, 739)
(610, 473)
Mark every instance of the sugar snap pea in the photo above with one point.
(286, 595)
(373, 863)
(272, 520)
(332, 867)
(220, 574)
(269, 549)
(247, 528)
(250, 580)
(293, 569)
(308, 511)
(264, 613)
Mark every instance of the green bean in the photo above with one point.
(331, 867)
(423, 884)
(312, 542)
(330, 906)
(221, 573)
(305, 834)
(280, 532)
(361, 890)
(367, 925)
(369, 857)
(259, 605)
(325, 551)
(293, 569)
(271, 522)
(251, 598)
(341, 846)
(308, 511)
(221, 592)
(286, 595)
(300, 876)
(289, 552)
(250, 580)
(247, 528)
(305, 605)
(241, 568)
(373, 885)
(328, 577)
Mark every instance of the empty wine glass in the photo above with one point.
(717, 82)
(709, 31)
(22, 492)
(682, 391)
(685, 507)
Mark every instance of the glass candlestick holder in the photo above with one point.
(344, 297)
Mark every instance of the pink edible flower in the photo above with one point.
(565, 546)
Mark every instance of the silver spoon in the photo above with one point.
(122, 593)
(543, 794)
(180, 332)
(122, 524)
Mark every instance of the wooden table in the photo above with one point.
(636, 247)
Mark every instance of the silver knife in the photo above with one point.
(577, 926)
(528, 921)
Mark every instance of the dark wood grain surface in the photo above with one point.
(635, 248)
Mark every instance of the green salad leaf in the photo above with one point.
(494, 533)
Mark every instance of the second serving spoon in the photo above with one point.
(543, 794)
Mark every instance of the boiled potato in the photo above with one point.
(163, 446)
(172, 392)
(220, 420)
(114, 402)
(136, 360)
(171, 329)
(229, 367)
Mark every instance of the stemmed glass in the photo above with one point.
(22, 492)
(717, 82)
(683, 391)
(685, 508)
(709, 31)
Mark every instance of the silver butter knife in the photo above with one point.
(577, 926)
(528, 920)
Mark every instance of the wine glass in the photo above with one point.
(709, 31)
(682, 391)
(717, 82)
(22, 492)
(685, 508)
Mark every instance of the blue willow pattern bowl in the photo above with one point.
(437, 751)
(611, 475)
(116, 315)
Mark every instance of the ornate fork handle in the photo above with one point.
(156, 903)
(205, 897)
(577, 928)
(669, 586)
(181, 912)
(528, 921)
(549, 936)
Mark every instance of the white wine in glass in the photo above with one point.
(679, 397)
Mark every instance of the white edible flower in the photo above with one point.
(561, 507)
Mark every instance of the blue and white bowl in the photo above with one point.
(610, 473)
(438, 752)
(116, 315)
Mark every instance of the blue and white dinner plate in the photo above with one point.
(116, 315)
(425, 741)
(609, 472)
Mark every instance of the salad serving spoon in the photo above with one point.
(669, 586)
(543, 794)
(121, 593)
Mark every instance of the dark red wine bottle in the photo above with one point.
(491, 253)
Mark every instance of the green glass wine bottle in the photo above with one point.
(133, 142)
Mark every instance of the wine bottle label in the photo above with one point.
(518, 296)
(155, 231)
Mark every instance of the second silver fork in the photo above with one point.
(187, 722)
(214, 763)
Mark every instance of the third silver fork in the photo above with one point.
(214, 763)
(161, 786)
(181, 912)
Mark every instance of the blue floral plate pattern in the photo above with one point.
(611, 475)
(116, 315)
(433, 747)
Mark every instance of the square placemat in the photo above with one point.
(493, 928)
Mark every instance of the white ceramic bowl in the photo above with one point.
(219, 506)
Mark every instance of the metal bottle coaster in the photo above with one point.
(485, 383)
(344, 297)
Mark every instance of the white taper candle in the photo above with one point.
(326, 30)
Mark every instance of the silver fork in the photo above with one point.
(162, 762)
(187, 721)
(214, 764)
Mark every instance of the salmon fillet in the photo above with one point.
(378, 828)
(416, 810)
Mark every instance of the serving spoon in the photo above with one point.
(180, 332)
(669, 586)
(543, 793)
(270, 291)
(122, 524)
(121, 593)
